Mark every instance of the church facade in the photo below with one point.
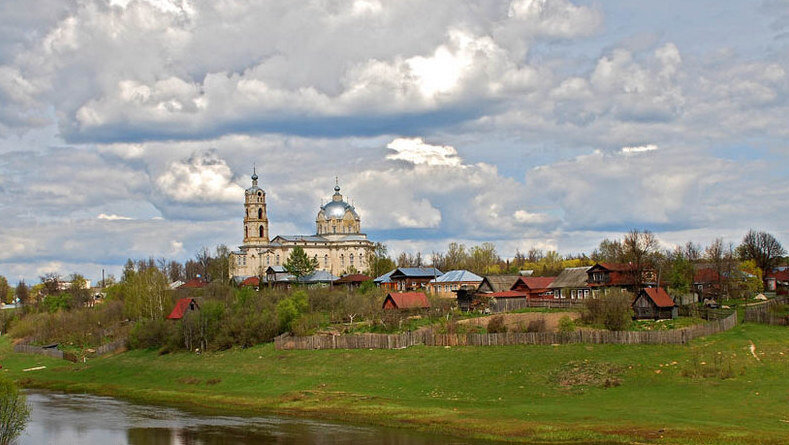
(338, 244)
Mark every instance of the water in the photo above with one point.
(86, 419)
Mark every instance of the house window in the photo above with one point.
(586, 293)
(572, 294)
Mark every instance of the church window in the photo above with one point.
(268, 260)
(261, 231)
(325, 261)
(342, 260)
(334, 229)
(260, 193)
(351, 259)
(277, 259)
(260, 213)
(246, 232)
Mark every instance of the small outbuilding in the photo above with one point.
(654, 303)
(183, 307)
(406, 300)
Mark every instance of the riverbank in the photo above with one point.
(711, 391)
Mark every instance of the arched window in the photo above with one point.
(246, 232)
(334, 229)
(261, 231)
(342, 260)
(351, 259)
(277, 259)
(260, 213)
(325, 261)
(268, 260)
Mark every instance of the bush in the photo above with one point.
(14, 412)
(84, 327)
(612, 310)
(307, 324)
(566, 325)
(152, 334)
(496, 325)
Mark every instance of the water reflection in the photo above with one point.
(87, 419)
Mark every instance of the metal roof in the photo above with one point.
(385, 278)
(571, 277)
(454, 276)
(418, 272)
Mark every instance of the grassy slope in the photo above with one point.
(485, 391)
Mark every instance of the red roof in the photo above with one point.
(194, 283)
(617, 267)
(533, 283)
(408, 300)
(251, 281)
(507, 294)
(781, 275)
(706, 275)
(354, 278)
(659, 296)
(181, 306)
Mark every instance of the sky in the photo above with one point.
(129, 128)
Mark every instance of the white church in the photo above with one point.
(338, 245)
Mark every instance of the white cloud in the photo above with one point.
(204, 177)
(416, 151)
(556, 18)
(639, 149)
(113, 217)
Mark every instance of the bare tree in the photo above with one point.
(762, 248)
(22, 293)
(534, 255)
(639, 249)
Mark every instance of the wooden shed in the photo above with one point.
(406, 300)
(654, 303)
(183, 307)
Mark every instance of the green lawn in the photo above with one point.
(661, 394)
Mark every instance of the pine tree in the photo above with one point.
(299, 264)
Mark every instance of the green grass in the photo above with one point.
(712, 391)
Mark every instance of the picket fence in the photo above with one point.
(51, 352)
(429, 338)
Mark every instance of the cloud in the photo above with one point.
(202, 178)
(113, 217)
(639, 149)
(556, 18)
(416, 151)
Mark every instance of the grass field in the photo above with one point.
(712, 391)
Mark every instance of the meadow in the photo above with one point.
(714, 390)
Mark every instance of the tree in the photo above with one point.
(51, 282)
(175, 271)
(144, 294)
(639, 249)
(14, 412)
(22, 293)
(5, 290)
(681, 271)
(79, 291)
(721, 259)
(763, 248)
(299, 264)
(609, 252)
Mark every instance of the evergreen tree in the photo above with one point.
(299, 264)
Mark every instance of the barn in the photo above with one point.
(654, 303)
(406, 300)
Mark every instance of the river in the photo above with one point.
(87, 420)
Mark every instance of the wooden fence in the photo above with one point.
(429, 338)
(763, 312)
(51, 352)
(110, 347)
(513, 304)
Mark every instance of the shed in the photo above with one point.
(654, 303)
(182, 308)
(406, 300)
(497, 283)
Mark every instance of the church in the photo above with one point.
(338, 245)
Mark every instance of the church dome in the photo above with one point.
(335, 209)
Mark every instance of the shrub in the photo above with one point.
(566, 325)
(496, 325)
(151, 334)
(612, 310)
(536, 325)
(14, 412)
(308, 323)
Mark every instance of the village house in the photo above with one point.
(453, 280)
(352, 281)
(777, 281)
(411, 278)
(497, 283)
(385, 281)
(620, 275)
(406, 301)
(571, 284)
(654, 303)
(534, 287)
(182, 308)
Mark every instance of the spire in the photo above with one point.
(337, 184)
(254, 176)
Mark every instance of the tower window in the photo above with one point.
(260, 213)
(261, 231)
(260, 193)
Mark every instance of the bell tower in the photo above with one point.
(255, 218)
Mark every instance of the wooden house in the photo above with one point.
(497, 283)
(453, 280)
(534, 287)
(621, 275)
(654, 303)
(413, 278)
(182, 308)
(571, 284)
(352, 281)
(406, 301)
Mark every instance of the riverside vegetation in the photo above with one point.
(715, 390)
